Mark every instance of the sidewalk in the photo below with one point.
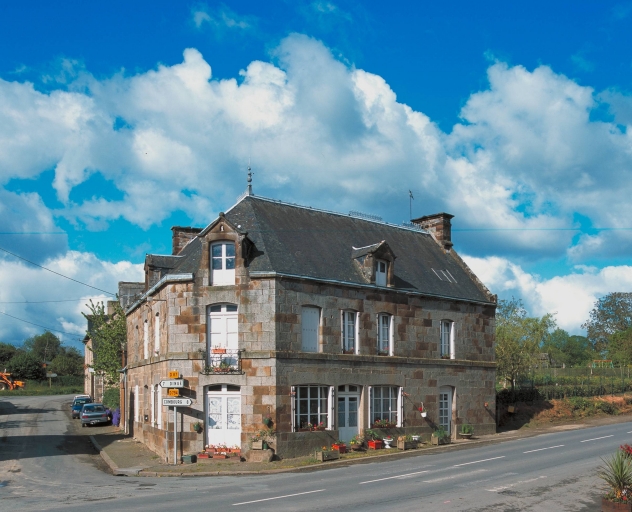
(127, 457)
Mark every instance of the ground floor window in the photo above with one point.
(384, 402)
(311, 408)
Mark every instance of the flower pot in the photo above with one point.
(327, 455)
(355, 447)
(257, 445)
(611, 506)
(424, 414)
(439, 440)
(406, 445)
(342, 448)
(466, 436)
(218, 351)
(375, 444)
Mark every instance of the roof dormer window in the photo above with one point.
(223, 263)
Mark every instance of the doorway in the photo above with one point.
(348, 406)
(223, 406)
(445, 408)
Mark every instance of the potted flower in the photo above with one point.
(383, 424)
(406, 442)
(340, 446)
(373, 440)
(267, 421)
(440, 436)
(327, 454)
(467, 431)
(356, 442)
(320, 426)
(218, 350)
(617, 473)
(198, 427)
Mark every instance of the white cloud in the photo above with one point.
(20, 282)
(221, 18)
(525, 160)
(570, 297)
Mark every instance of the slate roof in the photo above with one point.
(302, 241)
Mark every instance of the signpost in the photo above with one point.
(173, 383)
(50, 377)
(177, 402)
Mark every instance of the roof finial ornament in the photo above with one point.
(250, 173)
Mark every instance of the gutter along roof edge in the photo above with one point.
(169, 278)
(263, 274)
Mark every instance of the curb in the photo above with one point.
(113, 467)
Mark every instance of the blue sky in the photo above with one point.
(121, 119)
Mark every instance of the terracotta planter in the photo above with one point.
(375, 444)
(218, 351)
(611, 506)
(342, 448)
(203, 455)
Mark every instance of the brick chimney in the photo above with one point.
(181, 236)
(439, 226)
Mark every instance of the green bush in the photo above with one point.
(25, 366)
(578, 403)
(112, 398)
(606, 407)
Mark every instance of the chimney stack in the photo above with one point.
(181, 236)
(439, 226)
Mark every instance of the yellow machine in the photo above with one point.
(6, 382)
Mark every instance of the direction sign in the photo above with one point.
(177, 402)
(173, 392)
(49, 375)
(173, 383)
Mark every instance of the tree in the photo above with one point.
(68, 362)
(25, 365)
(109, 336)
(611, 314)
(43, 346)
(518, 339)
(620, 347)
(566, 349)
(7, 351)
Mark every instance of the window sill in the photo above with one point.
(349, 352)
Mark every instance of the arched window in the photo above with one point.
(222, 263)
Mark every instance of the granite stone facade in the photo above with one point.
(169, 329)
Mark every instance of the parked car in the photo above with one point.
(92, 414)
(78, 404)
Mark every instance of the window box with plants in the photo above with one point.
(261, 439)
(340, 446)
(406, 442)
(218, 350)
(440, 436)
(467, 431)
(384, 424)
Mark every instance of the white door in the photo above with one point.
(223, 333)
(445, 408)
(348, 406)
(224, 415)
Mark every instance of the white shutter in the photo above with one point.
(400, 407)
(159, 421)
(153, 405)
(370, 392)
(157, 333)
(146, 340)
(452, 329)
(331, 404)
(310, 317)
(293, 407)
(136, 405)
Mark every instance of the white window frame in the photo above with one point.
(346, 316)
(223, 276)
(159, 418)
(136, 403)
(390, 349)
(306, 311)
(395, 405)
(146, 340)
(381, 278)
(323, 395)
(153, 405)
(224, 318)
(157, 333)
(446, 339)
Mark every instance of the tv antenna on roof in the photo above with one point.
(250, 173)
(410, 200)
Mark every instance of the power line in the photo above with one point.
(74, 335)
(57, 273)
(42, 301)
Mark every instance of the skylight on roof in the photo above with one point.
(444, 275)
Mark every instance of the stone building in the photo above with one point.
(314, 319)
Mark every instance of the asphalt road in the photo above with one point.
(46, 464)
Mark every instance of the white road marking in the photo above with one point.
(392, 477)
(509, 486)
(477, 461)
(630, 432)
(540, 449)
(596, 438)
(278, 497)
(452, 477)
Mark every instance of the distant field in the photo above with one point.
(34, 388)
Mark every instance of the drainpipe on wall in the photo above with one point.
(124, 402)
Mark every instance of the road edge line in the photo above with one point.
(113, 467)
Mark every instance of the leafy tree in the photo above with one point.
(611, 314)
(518, 339)
(68, 362)
(43, 346)
(109, 336)
(620, 347)
(7, 351)
(568, 350)
(25, 365)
